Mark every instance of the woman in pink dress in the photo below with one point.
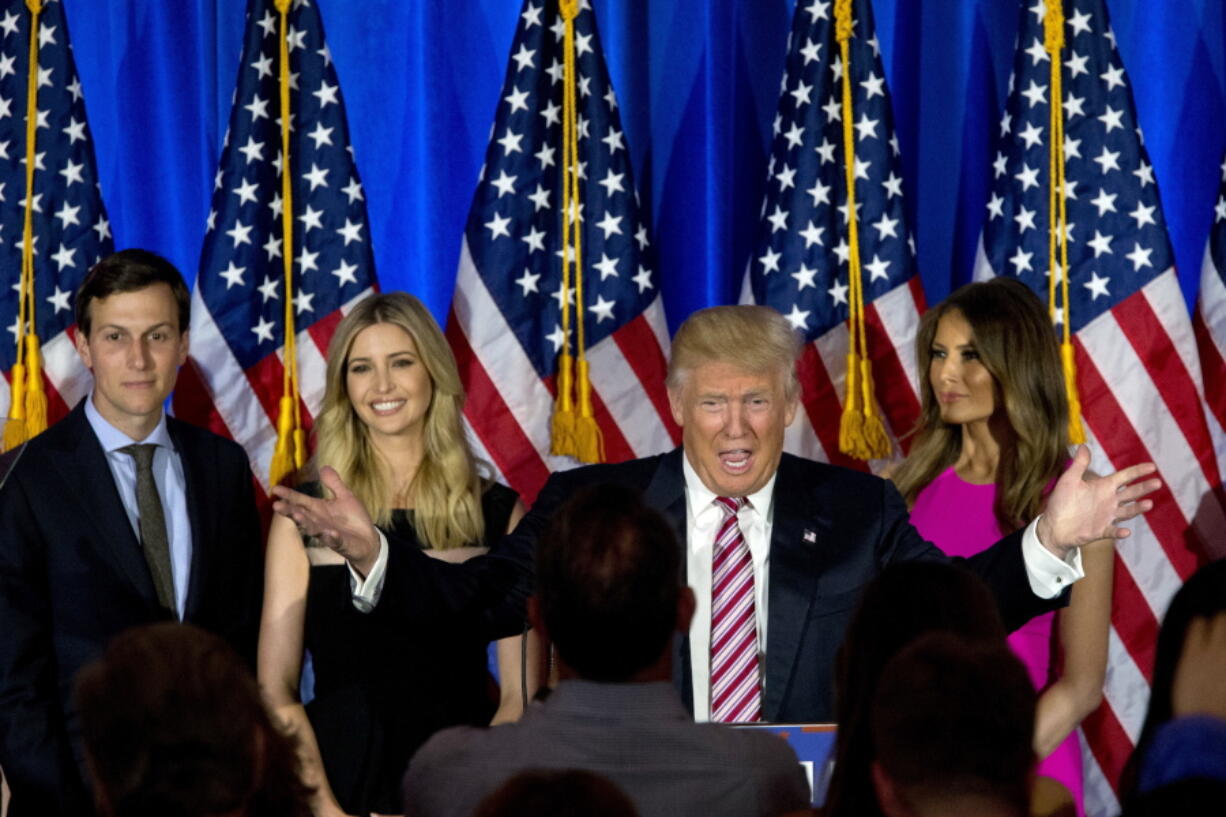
(991, 441)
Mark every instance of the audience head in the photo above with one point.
(174, 726)
(902, 603)
(569, 793)
(132, 316)
(732, 388)
(608, 586)
(989, 353)
(390, 373)
(953, 722)
(1203, 595)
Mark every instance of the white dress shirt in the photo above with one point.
(1048, 574)
(171, 485)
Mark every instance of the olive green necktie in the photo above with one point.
(153, 539)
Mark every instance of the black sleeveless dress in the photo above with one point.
(382, 689)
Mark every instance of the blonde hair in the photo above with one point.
(1015, 341)
(446, 492)
(753, 338)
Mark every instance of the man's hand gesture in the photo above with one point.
(342, 523)
(1083, 509)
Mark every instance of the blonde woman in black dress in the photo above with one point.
(391, 427)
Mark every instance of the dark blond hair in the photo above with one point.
(753, 338)
(446, 493)
(1015, 341)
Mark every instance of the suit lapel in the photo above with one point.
(665, 492)
(798, 532)
(198, 479)
(84, 467)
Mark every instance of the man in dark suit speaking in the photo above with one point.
(115, 516)
(776, 547)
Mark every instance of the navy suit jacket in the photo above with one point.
(833, 530)
(72, 576)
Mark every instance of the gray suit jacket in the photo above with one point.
(637, 735)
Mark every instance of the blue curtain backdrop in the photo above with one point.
(697, 81)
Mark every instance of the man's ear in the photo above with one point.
(676, 405)
(82, 344)
(184, 346)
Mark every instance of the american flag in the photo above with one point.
(800, 264)
(505, 326)
(1209, 322)
(71, 231)
(1137, 368)
(232, 382)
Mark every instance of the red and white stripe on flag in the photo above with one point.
(1209, 323)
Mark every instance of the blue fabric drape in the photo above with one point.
(697, 81)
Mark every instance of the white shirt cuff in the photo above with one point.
(366, 592)
(1048, 573)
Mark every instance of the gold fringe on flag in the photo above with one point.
(861, 432)
(27, 399)
(1057, 208)
(290, 452)
(574, 431)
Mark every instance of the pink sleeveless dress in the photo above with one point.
(958, 518)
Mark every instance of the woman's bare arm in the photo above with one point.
(279, 663)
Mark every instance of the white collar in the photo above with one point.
(700, 497)
(112, 438)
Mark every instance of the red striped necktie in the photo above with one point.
(736, 681)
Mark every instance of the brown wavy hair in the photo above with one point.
(1015, 341)
(446, 493)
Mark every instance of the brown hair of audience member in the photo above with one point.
(1014, 340)
(608, 586)
(952, 722)
(570, 793)
(173, 724)
(753, 338)
(903, 602)
(130, 271)
(1203, 595)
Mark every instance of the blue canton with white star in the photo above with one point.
(514, 229)
(1117, 234)
(71, 231)
(1217, 235)
(800, 266)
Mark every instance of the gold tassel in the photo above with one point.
(27, 400)
(566, 422)
(283, 455)
(1057, 201)
(589, 442)
(562, 428)
(15, 428)
(290, 452)
(861, 432)
(36, 396)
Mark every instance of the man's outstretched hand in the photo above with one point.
(1081, 510)
(342, 523)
